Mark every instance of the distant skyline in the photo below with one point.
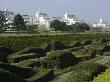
(88, 10)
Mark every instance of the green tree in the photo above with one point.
(2, 20)
(58, 25)
(19, 23)
(80, 27)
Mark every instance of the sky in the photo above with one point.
(88, 10)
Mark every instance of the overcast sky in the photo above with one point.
(89, 10)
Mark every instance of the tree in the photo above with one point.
(2, 21)
(58, 25)
(19, 23)
(80, 27)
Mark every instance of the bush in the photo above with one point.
(54, 45)
(30, 63)
(26, 53)
(44, 75)
(61, 59)
(20, 71)
(4, 52)
(85, 72)
(20, 42)
(75, 44)
(6, 76)
(87, 42)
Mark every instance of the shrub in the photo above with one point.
(61, 59)
(44, 75)
(87, 42)
(30, 63)
(20, 42)
(6, 76)
(26, 53)
(4, 52)
(20, 71)
(55, 45)
(85, 72)
(75, 44)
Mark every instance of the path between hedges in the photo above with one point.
(62, 78)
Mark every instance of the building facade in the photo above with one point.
(44, 19)
(100, 26)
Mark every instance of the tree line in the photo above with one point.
(62, 26)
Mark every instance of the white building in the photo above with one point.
(44, 19)
(100, 26)
(9, 16)
(71, 19)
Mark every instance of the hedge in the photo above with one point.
(85, 72)
(4, 52)
(26, 53)
(70, 68)
(55, 45)
(60, 59)
(30, 63)
(20, 71)
(6, 76)
(20, 42)
(43, 75)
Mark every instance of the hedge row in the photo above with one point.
(30, 63)
(4, 52)
(85, 72)
(21, 42)
(60, 59)
(70, 68)
(25, 54)
(10, 73)
(43, 75)
(6, 76)
(20, 71)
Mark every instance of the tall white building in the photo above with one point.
(71, 19)
(44, 19)
(100, 26)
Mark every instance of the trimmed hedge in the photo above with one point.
(6, 76)
(44, 75)
(30, 63)
(54, 45)
(20, 42)
(26, 53)
(20, 71)
(85, 72)
(60, 59)
(4, 52)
